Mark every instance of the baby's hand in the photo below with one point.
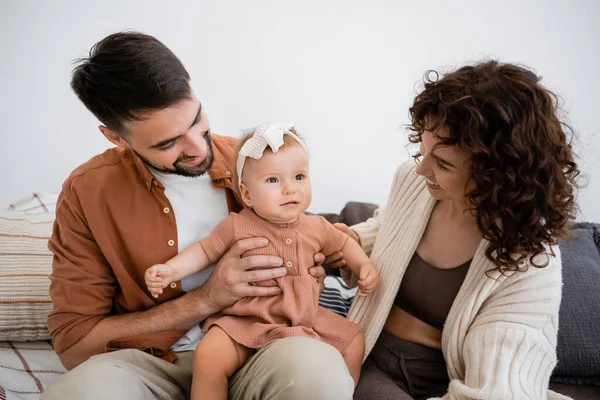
(158, 277)
(368, 279)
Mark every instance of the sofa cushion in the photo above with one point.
(25, 263)
(578, 351)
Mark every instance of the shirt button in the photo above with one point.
(289, 264)
(173, 285)
(288, 241)
(166, 210)
(228, 173)
(155, 183)
(171, 242)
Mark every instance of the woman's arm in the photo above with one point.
(509, 350)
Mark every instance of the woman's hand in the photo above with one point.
(346, 229)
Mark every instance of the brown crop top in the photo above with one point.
(427, 292)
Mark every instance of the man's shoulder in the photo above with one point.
(221, 140)
(223, 147)
(111, 164)
(223, 163)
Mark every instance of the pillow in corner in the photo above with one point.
(25, 263)
(578, 351)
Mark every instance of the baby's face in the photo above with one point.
(278, 186)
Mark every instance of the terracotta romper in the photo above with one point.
(255, 321)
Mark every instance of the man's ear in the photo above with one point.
(245, 194)
(112, 137)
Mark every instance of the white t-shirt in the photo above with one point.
(198, 207)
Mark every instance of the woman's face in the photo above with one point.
(446, 168)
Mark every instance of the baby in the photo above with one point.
(274, 184)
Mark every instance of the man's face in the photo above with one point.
(173, 140)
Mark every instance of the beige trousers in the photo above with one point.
(296, 368)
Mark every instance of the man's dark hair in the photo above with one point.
(126, 75)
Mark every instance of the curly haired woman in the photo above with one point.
(466, 247)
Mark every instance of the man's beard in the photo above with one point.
(178, 169)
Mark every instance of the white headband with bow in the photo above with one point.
(270, 135)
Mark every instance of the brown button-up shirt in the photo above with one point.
(110, 227)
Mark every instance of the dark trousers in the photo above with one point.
(401, 370)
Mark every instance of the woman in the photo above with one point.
(466, 247)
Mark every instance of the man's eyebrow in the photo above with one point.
(165, 142)
(197, 118)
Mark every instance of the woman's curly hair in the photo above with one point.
(521, 161)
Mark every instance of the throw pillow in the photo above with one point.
(25, 263)
(578, 351)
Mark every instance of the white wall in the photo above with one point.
(342, 71)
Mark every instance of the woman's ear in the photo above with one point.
(245, 194)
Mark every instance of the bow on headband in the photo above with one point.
(270, 135)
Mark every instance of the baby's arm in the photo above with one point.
(361, 267)
(191, 260)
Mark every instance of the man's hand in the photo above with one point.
(318, 271)
(229, 282)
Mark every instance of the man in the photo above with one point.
(166, 184)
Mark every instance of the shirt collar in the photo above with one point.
(147, 177)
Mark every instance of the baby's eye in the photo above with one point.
(299, 177)
(272, 180)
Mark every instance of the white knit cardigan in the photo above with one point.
(499, 339)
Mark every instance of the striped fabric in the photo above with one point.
(25, 263)
(36, 203)
(336, 295)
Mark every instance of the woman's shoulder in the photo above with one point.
(406, 176)
(545, 264)
(543, 273)
(406, 171)
(408, 189)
